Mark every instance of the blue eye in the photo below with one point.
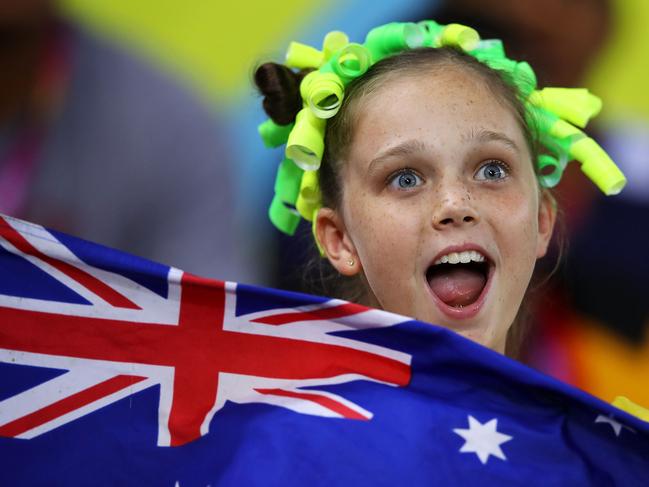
(492, 171)
(405, 179)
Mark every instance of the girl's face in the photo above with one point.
(439, 174)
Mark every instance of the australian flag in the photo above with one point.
(115, 370)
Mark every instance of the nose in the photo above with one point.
(454, 208)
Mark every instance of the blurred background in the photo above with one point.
(133, 124)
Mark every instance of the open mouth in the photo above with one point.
(459, 279)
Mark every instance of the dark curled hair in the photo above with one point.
(280, 87)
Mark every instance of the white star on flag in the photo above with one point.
(616, 425)
(482, 439)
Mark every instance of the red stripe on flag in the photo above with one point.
(70, 403)
(324, 401)
(102, 290)
(331, 313)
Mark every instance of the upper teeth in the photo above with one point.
(461, 257)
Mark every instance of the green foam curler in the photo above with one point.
(350, 62)
(461, 36)
(550, 170)
(489, 49)
(284, 218)
(323, 93)
(287, 181)
(521, 74)
(432, 32)
(272, 134)
(525, 78)
(393, 37)
(305, 143)
(540, 119)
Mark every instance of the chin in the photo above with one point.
(478, 329)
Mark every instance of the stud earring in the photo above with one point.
(350, 262)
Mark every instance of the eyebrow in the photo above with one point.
(405, 148)
(484, 136)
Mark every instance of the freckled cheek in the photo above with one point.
(382, 233)
(518, 229)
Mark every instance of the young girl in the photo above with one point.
(438, 152)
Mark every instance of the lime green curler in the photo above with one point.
(391, 38)
(309, 197)
(306, 141)
(562, 128)
(287, 181)
(284, 218)
(576, 105)
(550, 170)
(350, 62)
(521, 74)
(302, 56)
(323, 93)
(489, 49)
(272, 134)
(550, 166)
(333, 42)
(595, 162)
(563, 138)
(461, 36)
(524, 78)
(432, 32)
(598, 166)
(539, 118)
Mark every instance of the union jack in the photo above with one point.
(193, 340)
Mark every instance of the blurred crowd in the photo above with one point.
(97, 142)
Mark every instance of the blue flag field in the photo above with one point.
(115, 370)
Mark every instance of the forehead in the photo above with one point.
(442, 103)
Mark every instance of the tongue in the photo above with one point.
(457, 286)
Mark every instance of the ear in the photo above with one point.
(334, 240)
(547, 217)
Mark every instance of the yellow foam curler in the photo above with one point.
(323, 93)
(334, 41)
(308, 199)
(595, 162)
(302, 56)
(630, 407)
(305, 143)
(564, 129)
(461, 36)
(576, 105)
(598, 166)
